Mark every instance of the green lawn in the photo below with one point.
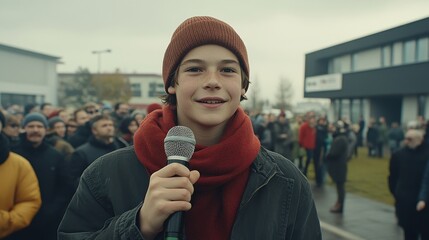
(367, 177)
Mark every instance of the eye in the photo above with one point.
(229, 70)
(193, 69)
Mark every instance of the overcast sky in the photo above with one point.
(277, 33)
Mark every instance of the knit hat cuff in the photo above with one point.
(35, 116)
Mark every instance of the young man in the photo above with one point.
(83, 131)
(238, 189)
(101, 142)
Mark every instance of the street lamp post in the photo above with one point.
(99, 52)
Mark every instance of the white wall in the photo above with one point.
(25, 74)
(144, 82)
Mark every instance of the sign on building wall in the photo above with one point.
(328, 82)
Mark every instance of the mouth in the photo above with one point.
(211, 100)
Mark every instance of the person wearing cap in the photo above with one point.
(49, 167)
(20, 197)
(233, 189)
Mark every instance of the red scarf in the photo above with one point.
(224, 169)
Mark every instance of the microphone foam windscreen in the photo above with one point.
(180, 141)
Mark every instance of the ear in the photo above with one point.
(243, 91)
(171, 90)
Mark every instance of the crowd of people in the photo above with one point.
(44, 151)
(60, 145)
(310, 138)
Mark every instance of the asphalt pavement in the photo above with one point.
(362, 218)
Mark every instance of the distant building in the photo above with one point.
(145, 88)
(27, 77)
(302, 108)
(383, 74)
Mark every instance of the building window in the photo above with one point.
(136, 90)
(397, 53)
(340, 64)
(422, 49)
(421, 105)
(345, 109)
(355, 110)
(8, 99)
(386, 56)
(368, 59)
(156, 89)
(410, 51)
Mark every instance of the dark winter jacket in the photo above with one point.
(424, 187)
(86, 154)
(406, 173)
(372, 136)
(336, 159)
(81, 135)
(283, 145)
(111, 191)
(48, 164)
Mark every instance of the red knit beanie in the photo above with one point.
(198, 31)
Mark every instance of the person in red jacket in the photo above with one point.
(307, 139)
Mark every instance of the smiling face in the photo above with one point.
(208, 87)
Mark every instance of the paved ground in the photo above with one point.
(362, 218)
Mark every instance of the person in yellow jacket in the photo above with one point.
(19, 191)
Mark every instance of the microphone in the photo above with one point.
(179, 145)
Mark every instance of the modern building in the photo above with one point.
(383, 74)
(27, 76)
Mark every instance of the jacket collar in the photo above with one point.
(29, 146)
(261, 171)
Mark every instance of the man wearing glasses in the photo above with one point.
(406, 172)
(11, 129)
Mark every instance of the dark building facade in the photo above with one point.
(383, 74)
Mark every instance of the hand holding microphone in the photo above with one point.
(170, 188)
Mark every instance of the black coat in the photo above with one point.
(406, 173)
(81, 136)
(277, 202)
(84, 155)
(336, 159)
(48, 164)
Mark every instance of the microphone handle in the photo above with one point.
(174, 226)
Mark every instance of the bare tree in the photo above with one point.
(284, 94)
(255, 98)
(76, 89)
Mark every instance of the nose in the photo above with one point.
(212, 81)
